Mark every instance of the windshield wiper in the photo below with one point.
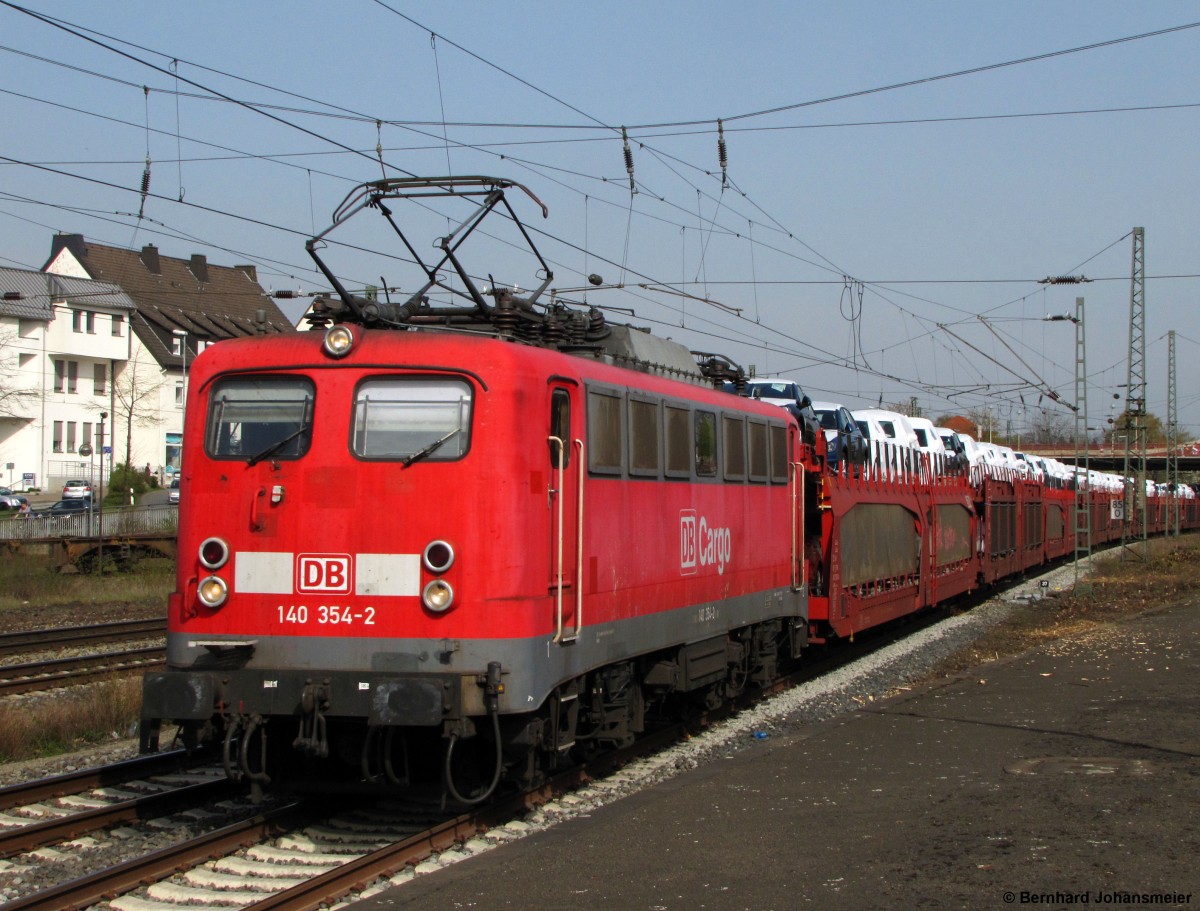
(431, 448)
(276, 446)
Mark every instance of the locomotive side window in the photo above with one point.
(560, 427)
(733, 431)
(410, 419)
(679, 443)
(643, 437)
(706, 444)
(606, 440)
(779, 454)
(260, 417)
(758, 451)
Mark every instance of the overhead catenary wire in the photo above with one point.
(712, 229)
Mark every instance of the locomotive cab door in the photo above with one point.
(565, 502)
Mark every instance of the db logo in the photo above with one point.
(701, 544)
(324, 573)
(687, 542)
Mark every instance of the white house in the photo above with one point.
(180, 307)
(62, 342)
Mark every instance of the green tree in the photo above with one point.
(1151, 425)
(125, 484)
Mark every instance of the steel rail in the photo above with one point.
(117, 773)
(58, 672)
(19, 641)
(19, 839)
(106, 884)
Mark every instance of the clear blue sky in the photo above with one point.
(948, 199)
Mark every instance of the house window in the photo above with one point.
(118, 325)
(58, 430)
(177, 345)
(86, 437)
(77, 320)
(90, 319)
(179, 395)
(72, 377)
(70, 436)
(60, 373)
(99, 379)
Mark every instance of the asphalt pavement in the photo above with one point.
(1067, 776)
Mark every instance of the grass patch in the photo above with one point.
(32, 728)
(1116, 590)
(31, 583)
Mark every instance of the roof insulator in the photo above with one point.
(145, 187)
(628, 160)
(722, 154)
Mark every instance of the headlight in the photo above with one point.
(438, 595)
(338, 341)
(438, 556)
(213, 591)
(213, 553)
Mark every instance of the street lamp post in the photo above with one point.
(1083, 497)
(182, 335)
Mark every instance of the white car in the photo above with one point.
(77, 489)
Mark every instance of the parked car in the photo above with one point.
(77, 489)
(66, 508)
(9, 499)
(843, 437)
(173, 492)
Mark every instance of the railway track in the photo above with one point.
(24, 641)
(301, 856)
(53, 673)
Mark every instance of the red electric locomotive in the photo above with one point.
(461, 543)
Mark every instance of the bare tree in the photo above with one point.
(987, 421)
(1051, 428)
(15, 399)
(136, 387)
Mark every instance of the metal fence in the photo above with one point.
(126, 521)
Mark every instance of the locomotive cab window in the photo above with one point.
(260, 417)
(410, 419)
(560, 429)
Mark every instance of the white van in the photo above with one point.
(895, 426)
(891, 438)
